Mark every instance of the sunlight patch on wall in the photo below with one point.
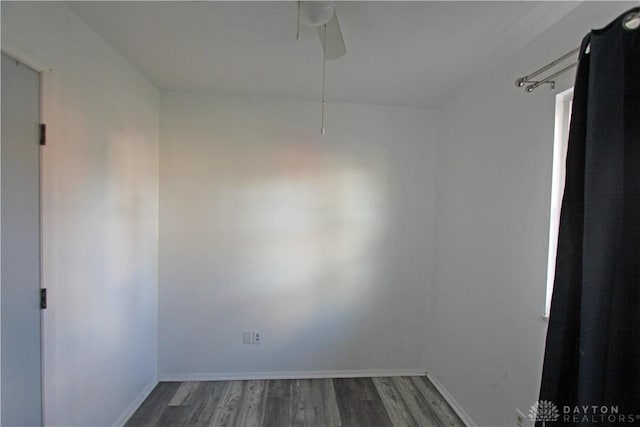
(303, 226)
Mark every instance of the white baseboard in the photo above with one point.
(289, 375)
(122, 419)
(458, 409)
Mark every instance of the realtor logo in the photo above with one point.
(544, 410)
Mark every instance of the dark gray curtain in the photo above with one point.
(592, 354)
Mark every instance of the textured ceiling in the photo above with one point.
(398, 53)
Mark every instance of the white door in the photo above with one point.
(20, 191)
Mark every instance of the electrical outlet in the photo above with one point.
(247, 337)
(521, 419)
(257, 337)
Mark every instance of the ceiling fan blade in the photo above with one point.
(335, 47)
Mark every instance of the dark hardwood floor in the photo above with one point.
(366, 402)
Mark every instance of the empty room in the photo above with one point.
(315, 213)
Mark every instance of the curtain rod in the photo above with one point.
(549, 79)
(630, 22)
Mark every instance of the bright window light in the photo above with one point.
(560, 141)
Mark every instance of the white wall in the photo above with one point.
(493, 198)
(327, 244)
(100, 216)
(324, 243)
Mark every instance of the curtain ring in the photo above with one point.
(631, 21)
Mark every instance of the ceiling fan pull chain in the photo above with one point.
(298, 33)
(324, 61)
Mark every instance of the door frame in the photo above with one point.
(47, 317)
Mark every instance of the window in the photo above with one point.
(560, 142)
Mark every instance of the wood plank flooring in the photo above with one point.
(338, 402)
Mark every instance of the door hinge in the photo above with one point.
(43, 134)
(43, 299)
